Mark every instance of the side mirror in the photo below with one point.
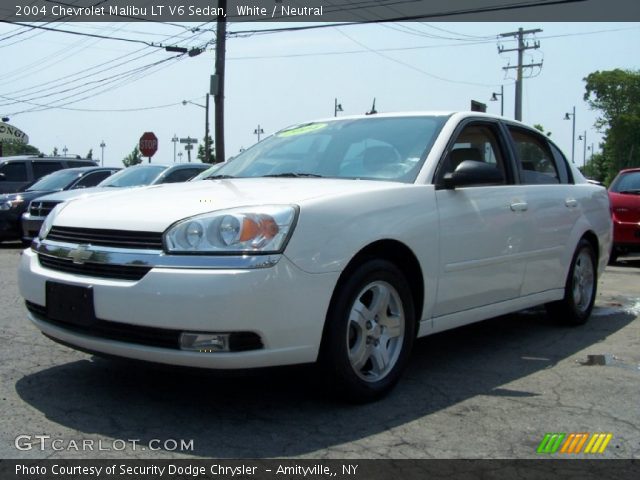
(471, 172)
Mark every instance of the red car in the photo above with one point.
(624, 194)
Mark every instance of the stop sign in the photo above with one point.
(148, 144)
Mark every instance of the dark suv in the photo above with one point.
(18, 172)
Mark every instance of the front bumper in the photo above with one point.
(282, 304)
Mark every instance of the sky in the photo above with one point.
(109, 92)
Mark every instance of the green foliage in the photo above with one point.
(616, 95)
(201, 152)
(597, 168)
(540, 128)
(134, 158)
(11, 148)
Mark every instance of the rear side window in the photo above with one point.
(76, 163)
(535, 160)
(14, 172)
(181, 175)
(561, 163)
(92, 179)
(40, 169)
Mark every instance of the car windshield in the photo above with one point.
(55, 181)
(375, 148)
(133, 176)
(627, 182)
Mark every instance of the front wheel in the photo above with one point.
(369, 332)
(580, 289)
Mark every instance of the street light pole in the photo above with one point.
(583, 137)
(337, 107)
(207, 158)
(573, 133)
(65, 150)
(501, 95)
(258, 131)
(102, 145)
(174, 140)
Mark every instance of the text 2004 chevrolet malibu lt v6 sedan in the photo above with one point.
(337, 241)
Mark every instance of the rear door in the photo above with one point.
(553, 209)
(480, 227)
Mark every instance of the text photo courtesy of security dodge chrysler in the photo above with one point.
(336, 242)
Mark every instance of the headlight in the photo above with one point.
(259, 229)
(48, 221)
(9, 204)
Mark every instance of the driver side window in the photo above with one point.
(477, 143)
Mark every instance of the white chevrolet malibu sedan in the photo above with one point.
(336, 242)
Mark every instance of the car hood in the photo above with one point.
(71, 194)
(156, 207)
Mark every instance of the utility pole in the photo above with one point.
(218, 94)
(522, 46)
(207, 157)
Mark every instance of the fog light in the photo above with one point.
(205, 342)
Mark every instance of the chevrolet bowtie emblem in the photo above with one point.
(80, 254)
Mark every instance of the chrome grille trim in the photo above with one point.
(150, 258)
(107, 238)
(41, 209)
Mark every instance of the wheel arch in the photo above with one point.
(402, 257)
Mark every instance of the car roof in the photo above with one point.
(46, 157)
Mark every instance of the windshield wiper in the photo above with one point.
(294, 175)
(218, 177)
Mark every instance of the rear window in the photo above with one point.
(626, 183)
(40, 169)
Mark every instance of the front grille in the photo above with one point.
(151, 336)
(101, 270)
(41, 209)
(107, 238)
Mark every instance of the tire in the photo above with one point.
(369, 332)
(613, 257)
(580, 289)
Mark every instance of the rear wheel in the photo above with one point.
(369, 333)
(580, 289)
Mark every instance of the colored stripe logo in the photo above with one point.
(573, 443)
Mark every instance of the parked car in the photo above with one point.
(13, 205)
(337, 241)
(18, 172)
(624, 194)
(136, 176)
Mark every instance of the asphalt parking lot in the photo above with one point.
(490, 390)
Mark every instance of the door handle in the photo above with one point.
(571, 203)
(519, 206)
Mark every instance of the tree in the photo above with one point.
(616, 95)
(90, 154)
(11, 147)
(134, 158)
(55, 152)
(201, 152)
(539, 127)
(596, 168)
